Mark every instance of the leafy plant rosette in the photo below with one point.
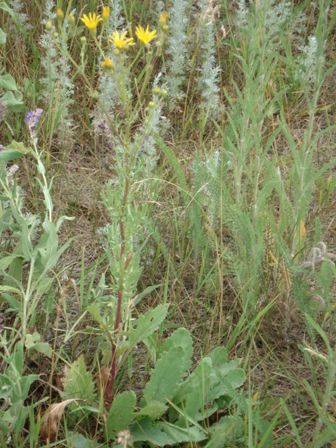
(177, 405)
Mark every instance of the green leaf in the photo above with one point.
(94, 311)
(13, 151)
(78, 382)
(76, 440)
(154, 410)
(219, 356)
(228, 430)
(227, 385)
(236, 378)
(121, 413)
(180, 338)
(4, 288)
(7, 155)
(44, 348)
(13, 101)
(7, 82)
(194, 392)
(147, 324)
(14, 304)
(18, 146)
(17, 357)
(44, 285)
(166, 376)
(6, 261)
(3, 37)
(33, 341)
(6, 8)
(165, 434)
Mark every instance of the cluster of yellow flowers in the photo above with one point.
(119, 40)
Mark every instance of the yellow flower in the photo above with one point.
(106, 13)
(107, 64)
(144, 35)
(120, 41)
(91, 21)
(163, 19)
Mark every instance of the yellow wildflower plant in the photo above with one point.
(91, 21)
(106, 13)
(145, 36)
(107, 64)
(121, 41)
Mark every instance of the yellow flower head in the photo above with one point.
(120, 41)
(106, 13)
(163, 19)
(91, 21)
(107, 64)
(145, 35)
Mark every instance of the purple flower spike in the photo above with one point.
(32, 118)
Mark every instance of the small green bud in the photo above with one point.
(71, 19)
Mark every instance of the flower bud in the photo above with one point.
(59, 14)
(106, 13)
(107, 64)
(71, 19)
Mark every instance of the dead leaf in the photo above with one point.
(51, 419)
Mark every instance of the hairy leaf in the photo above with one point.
(180, 338)
(167, 375)
(121, 413)
(165, 434)
(78, 382)
(147, 324)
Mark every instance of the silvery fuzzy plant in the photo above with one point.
(114, 87)
(177, 48)
(275, 13)
(116, 20)
(20, 15)
(309, 60)
(57, 81)
(208, 82)
(27, 263)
